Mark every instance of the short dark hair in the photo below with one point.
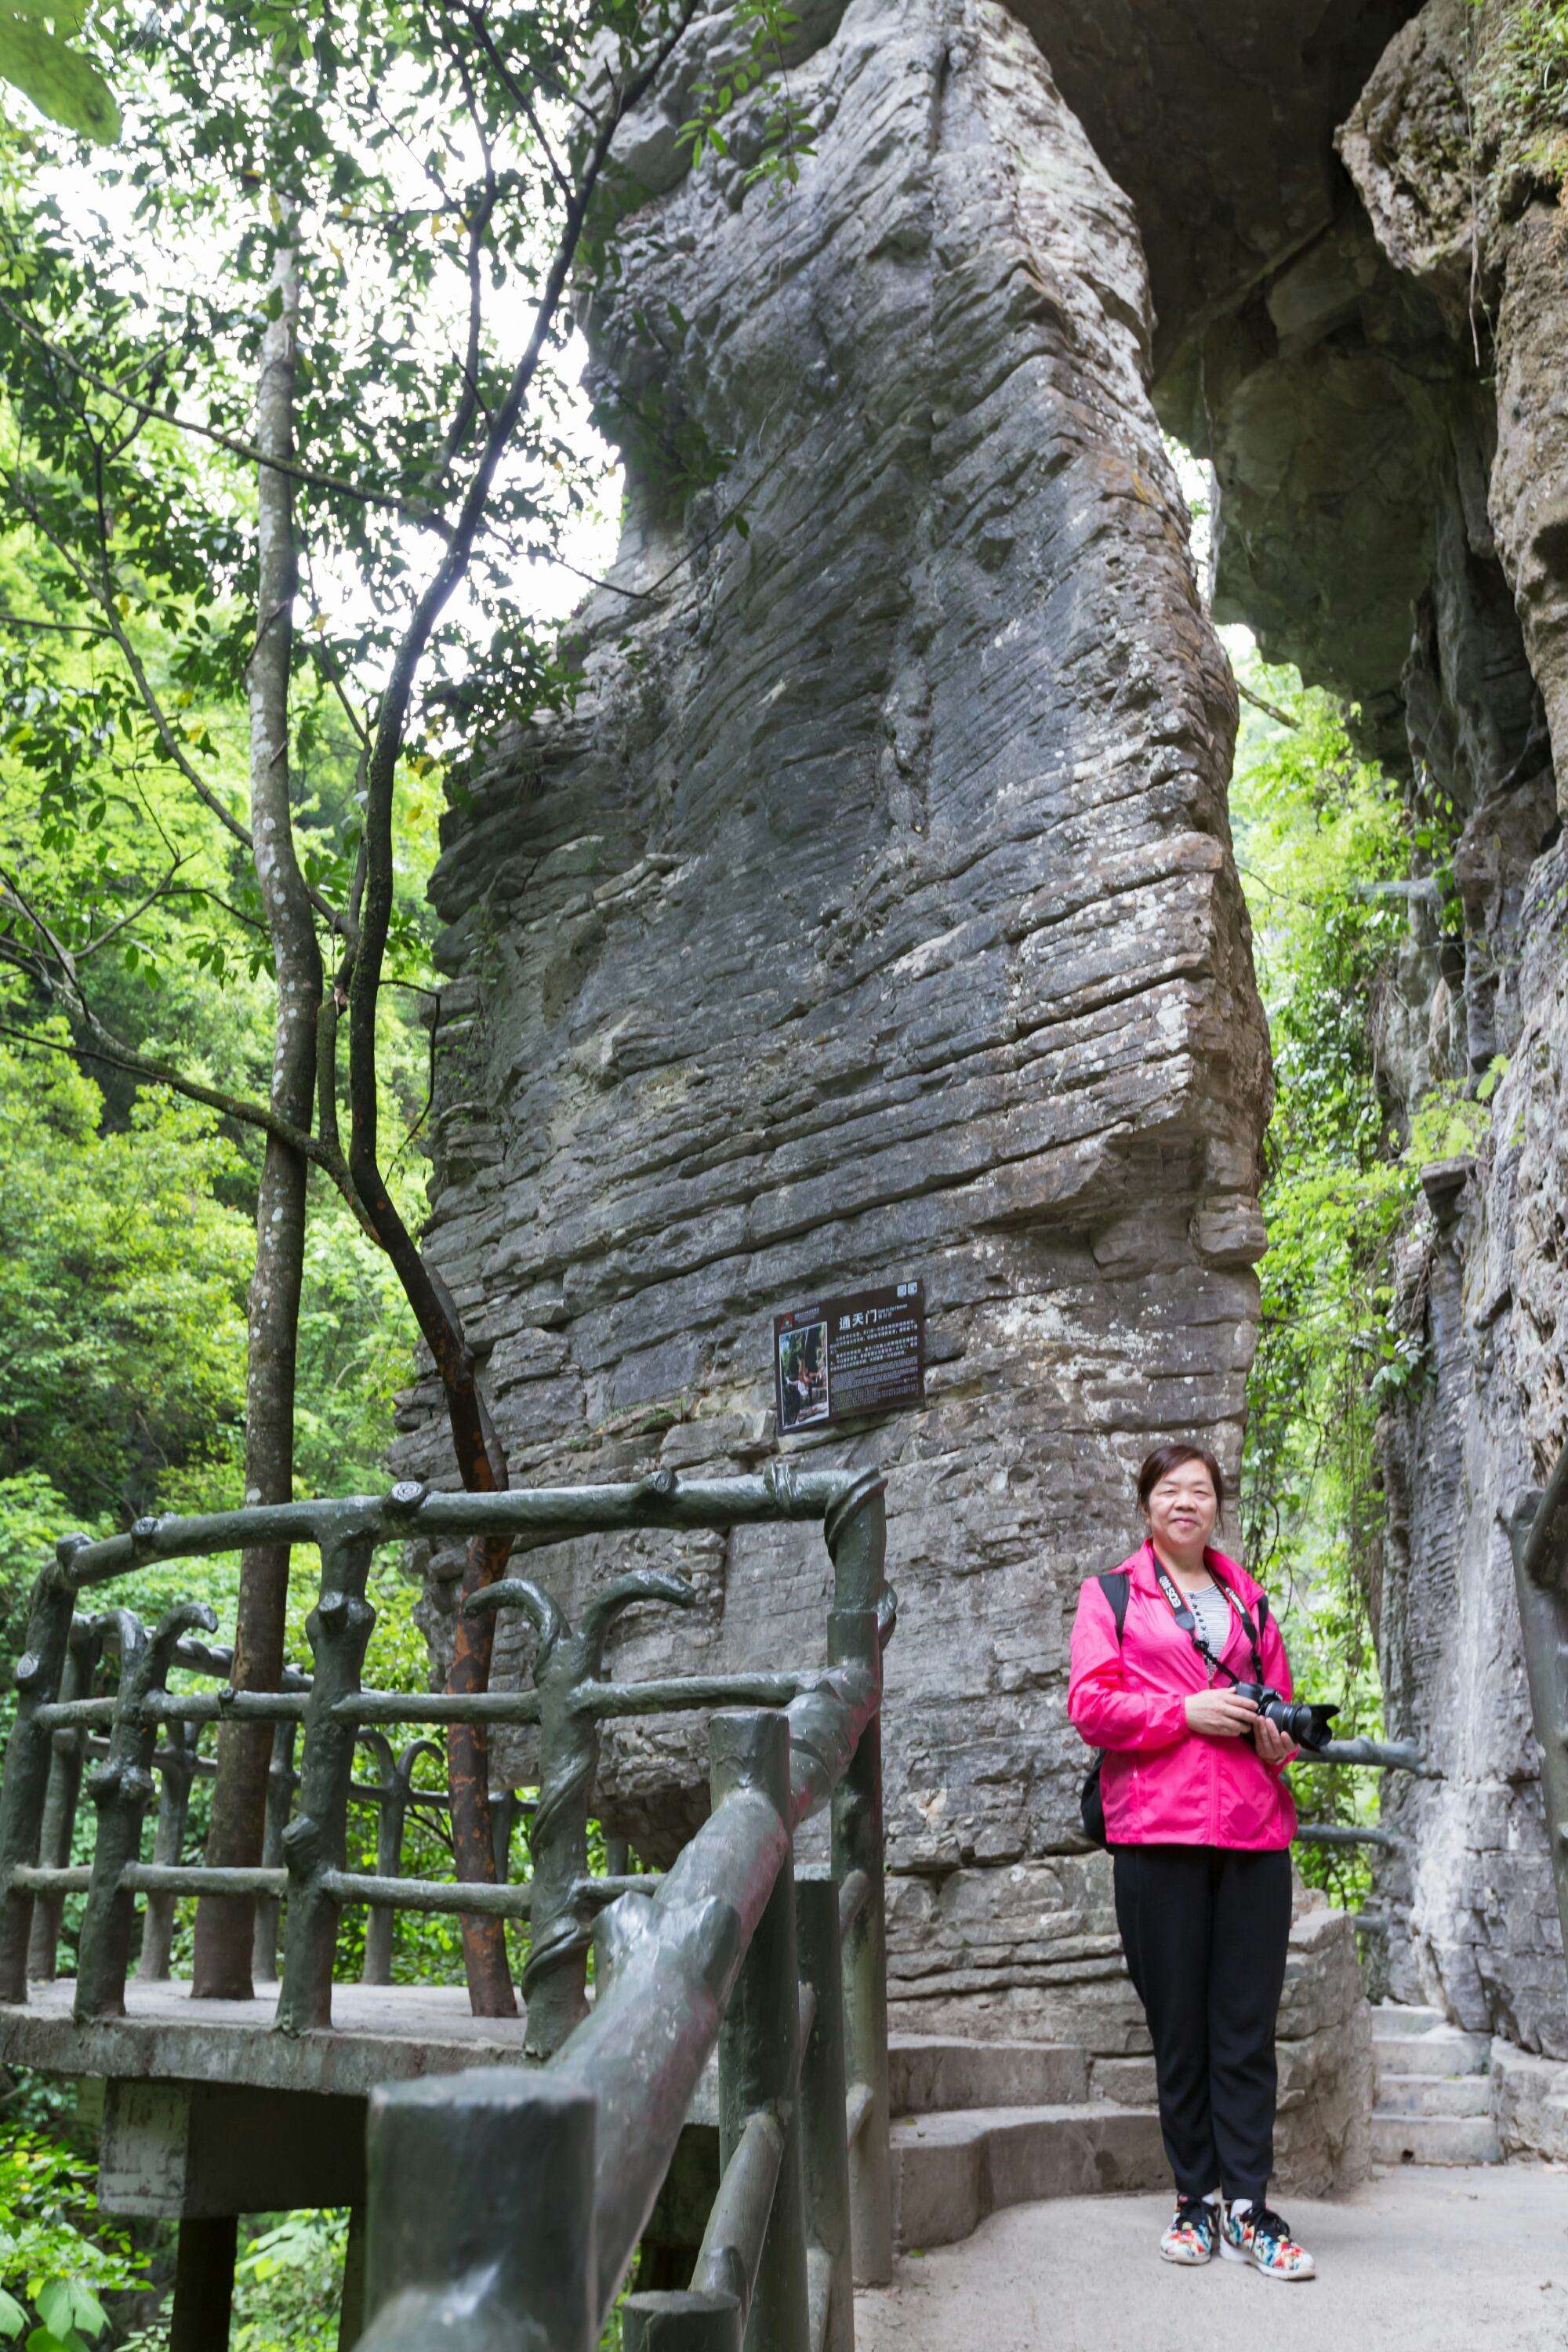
(1166, 1458)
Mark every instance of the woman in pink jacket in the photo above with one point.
(1199, 1822)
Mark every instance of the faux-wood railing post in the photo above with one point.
(481, 2206)
(824, 2147)
(396, 1787)
(179, 1769)
(63, 1794)
(566, 1665)
(694, 2322)
(28, 1756)
(315, 1841)
(121, 1789)
(281, 1782)
(759, 2041)
(858, 1855)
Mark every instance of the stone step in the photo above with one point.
(928, 2074)
(1443, 2050)
(951, 2169)
(1434, 2139)
(1391, 2018)
(1435, 2094)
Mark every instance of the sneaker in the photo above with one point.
(1194, 2227)
(1257, 2234)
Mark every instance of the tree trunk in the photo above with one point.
(485, 1963)
(224, 1923)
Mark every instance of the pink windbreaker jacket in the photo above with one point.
(1162, 1784)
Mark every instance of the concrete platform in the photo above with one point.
(380, 2033)
(1418, 2262)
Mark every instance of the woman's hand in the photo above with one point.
(1221, 1715)
(1273, 1746)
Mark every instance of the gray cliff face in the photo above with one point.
(875, 915)
(1387, 418)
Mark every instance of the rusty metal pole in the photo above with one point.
(1538, 1534)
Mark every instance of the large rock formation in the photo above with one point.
(873, 916)
(1387, 416)
(874, 912)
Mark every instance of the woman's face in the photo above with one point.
(1182, 1509)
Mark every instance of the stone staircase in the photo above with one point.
(982, 2125)
(1434, 2102)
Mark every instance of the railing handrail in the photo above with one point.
(725, 1909)
(705, 1954)
(411, 1509)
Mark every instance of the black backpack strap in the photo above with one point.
(1116, 1585)
(1262, 1613)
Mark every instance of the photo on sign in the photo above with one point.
(802, 1375)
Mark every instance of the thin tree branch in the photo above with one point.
(162, 1074)
(102, 592)
(63, 628)
(524, 96)
(1270, 709)
(412, 509)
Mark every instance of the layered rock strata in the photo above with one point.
(1387, 417)
(872, 916)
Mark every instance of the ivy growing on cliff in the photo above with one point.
(1324, 852)
(1520, 84)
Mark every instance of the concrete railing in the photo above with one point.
(786, 1974)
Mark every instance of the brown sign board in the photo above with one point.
(844, 1358)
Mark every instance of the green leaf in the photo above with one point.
(67, 16)
(55, 2306)
(12, 2319)
(88, 2314)
(58, 80)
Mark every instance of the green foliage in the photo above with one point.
(775, 137)
(1319, 836)
(60, 79)
(121, 1296)
(1520, 74)
(287, 2283)
(55, 2252)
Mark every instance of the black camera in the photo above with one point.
(1306, 1725)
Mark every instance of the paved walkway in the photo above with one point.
(1433, 2259)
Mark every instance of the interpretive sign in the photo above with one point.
(847, 1357)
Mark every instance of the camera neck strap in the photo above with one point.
(1189, 1624)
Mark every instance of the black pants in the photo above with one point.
(1205, 1929)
